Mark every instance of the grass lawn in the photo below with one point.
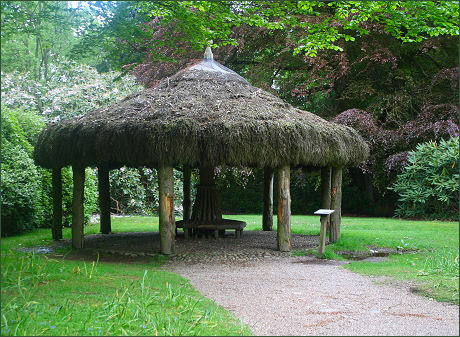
(53, 296)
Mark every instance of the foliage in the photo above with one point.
(20, 190)
(313, 26)
(135, 191)
(127, 192)
(428, 186)
(388, 146)
(26, 188)
(72, 89)
(20, 184)
(242, 192)
(36, 34)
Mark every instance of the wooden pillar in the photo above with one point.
(167, 224)
(284, 210)
(78, 213)
(326, 191)
(322, 236)
(267, 216)
(336, 203)
(57, 204)
(187, 203)
(104, 199)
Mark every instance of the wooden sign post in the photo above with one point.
(322, 234)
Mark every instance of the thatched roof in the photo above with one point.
(204, 115)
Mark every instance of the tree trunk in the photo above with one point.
(78, 213)
(57, 204)
(326, 191)
(187, 203)
(166, 218)
(267, 217)
(104, 199)
(336, 203)
(207, 207)
(284, 210)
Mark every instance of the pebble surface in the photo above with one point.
(253, 246)
(303, 296)
(275, 293)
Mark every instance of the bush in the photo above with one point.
(20, 190)
(135, 191)
(26, 188)
(428, 186)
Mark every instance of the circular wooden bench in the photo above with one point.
(191, 227)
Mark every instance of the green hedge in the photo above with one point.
(25, 188)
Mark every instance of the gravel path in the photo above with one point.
(305, 296)
(277, 294)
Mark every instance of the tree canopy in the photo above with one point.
(387, 68)
(311, 26)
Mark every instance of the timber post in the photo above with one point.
(267, 216)
(322, 235)
(56, 179)
(104, 199)
(187, 203)
(326, 191)
(78, 214)
(336, 203)
(166, 216)
(284, 210)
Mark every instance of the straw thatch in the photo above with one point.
(203, 115)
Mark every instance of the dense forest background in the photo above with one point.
(388, 69)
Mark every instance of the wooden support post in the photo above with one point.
(167, 224)
(78, 214)
(104, 199)
(187, 203)
(336, 203)
(284, 210)
(57, 204)
(267, 217)
(322, 235)
(326, 190)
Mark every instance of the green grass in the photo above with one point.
(56, 296)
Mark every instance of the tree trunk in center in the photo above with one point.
(207, 207)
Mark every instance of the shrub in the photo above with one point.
(20, 190)
(135, 191)
(26, 188)
(428, 186)
(72, 89)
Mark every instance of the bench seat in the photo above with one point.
(191, 226)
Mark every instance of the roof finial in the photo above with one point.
(208, 53)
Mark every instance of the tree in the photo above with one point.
(36, 33)
(323, 57)
(311, 26)
(72, 89)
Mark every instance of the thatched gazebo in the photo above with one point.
(204, 116)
